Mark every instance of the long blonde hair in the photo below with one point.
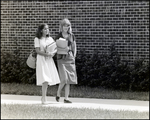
(63, 22)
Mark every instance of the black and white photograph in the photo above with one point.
(74, 59)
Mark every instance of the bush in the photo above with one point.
(140, 76)
(96, 70)
(117, 72)
(14, 69)
(87, 68)
(108, 71)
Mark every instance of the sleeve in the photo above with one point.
(36, 42)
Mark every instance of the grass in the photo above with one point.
(29, 111)
(75, 91)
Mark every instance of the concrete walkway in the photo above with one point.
(110, 104)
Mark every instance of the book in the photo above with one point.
(51, 47)
(63, 39)
(62, 43)
(62, 50)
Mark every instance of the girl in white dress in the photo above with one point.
(46, 71)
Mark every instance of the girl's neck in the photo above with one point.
(65, 35)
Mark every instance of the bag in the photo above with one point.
(62, 46)
(31, 61)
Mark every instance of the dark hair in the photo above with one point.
(39, 31)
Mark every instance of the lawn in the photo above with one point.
(30, 111)
(75, 91)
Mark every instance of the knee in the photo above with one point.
(45, 83)
(62, 84)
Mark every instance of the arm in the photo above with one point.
(74, 46)
(75, 49)
(37, 47)
(42, 53)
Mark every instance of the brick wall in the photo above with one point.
(96, 24)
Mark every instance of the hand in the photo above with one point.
(48, 55)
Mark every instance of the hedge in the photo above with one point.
(96, 70)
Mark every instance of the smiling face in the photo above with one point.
(66, 27)
(45, 30)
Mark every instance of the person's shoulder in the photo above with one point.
(50, 38)
(72, 33)
(36, 38)
(73, 36)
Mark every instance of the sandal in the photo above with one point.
(67, 101)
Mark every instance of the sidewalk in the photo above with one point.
(110, 104)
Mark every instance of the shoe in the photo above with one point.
(67, 101)
(57, 98)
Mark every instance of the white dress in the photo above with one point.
(46, 70)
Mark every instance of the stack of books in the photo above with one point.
(62, 46)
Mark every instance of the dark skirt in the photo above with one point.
(67, 69)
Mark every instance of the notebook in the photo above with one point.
(51, 47)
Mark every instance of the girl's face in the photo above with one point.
(66, 27)
(45, 30)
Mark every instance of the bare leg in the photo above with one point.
(67, 90)
(44, 91)
(60, 87)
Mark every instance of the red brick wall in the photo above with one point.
(96, 24)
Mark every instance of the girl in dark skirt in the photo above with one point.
(66, 62)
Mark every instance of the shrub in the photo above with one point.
(14, 69)
(81, 67)
(88, 67)
(140, 76)
(108, 71)
(117, 72)
(96, 70)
